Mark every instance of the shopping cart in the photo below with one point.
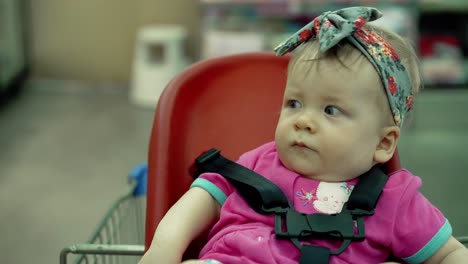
(191, 117)
(119, 237)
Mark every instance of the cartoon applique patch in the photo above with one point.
(331, 196)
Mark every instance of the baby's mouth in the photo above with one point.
(301, 144)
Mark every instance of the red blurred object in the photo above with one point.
(231, 103)
(427, 43)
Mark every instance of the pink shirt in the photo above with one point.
(405, 223)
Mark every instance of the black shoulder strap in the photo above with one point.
(264, 196)
(260, 193)
(367, 191)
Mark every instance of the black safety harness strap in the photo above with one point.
(314, 254)
(260, 193)
(265, 197)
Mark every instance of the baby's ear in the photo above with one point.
(388, 142)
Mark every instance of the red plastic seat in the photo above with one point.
(231, 103)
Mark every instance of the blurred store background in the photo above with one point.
(79, 81)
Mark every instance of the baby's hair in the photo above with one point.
(346, 54)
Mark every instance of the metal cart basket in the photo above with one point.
(119, 237)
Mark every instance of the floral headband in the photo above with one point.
(347, 23)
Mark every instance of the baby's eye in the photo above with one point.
(332, 110)
(294, 104)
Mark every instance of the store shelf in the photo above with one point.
(307, 6)
(288, 8)
(433, 6)
(243, 21)
(314, 2)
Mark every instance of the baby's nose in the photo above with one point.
(306, 122)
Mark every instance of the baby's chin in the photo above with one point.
(307, 170)
(308, 173)
(312, 174)
(324, 178)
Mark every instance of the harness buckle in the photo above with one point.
(275, 210)
(291, 224)
(358, 212)
(345, 226)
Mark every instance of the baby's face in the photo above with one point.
(330, 124)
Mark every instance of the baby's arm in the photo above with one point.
(451, 252)
(193, 213)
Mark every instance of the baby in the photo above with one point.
(349, 90)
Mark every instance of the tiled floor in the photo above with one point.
(66, 149)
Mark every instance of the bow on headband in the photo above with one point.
(333, 26)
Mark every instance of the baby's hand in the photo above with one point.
(206, 261)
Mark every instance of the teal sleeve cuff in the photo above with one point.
(439, 239)
(211, 188)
